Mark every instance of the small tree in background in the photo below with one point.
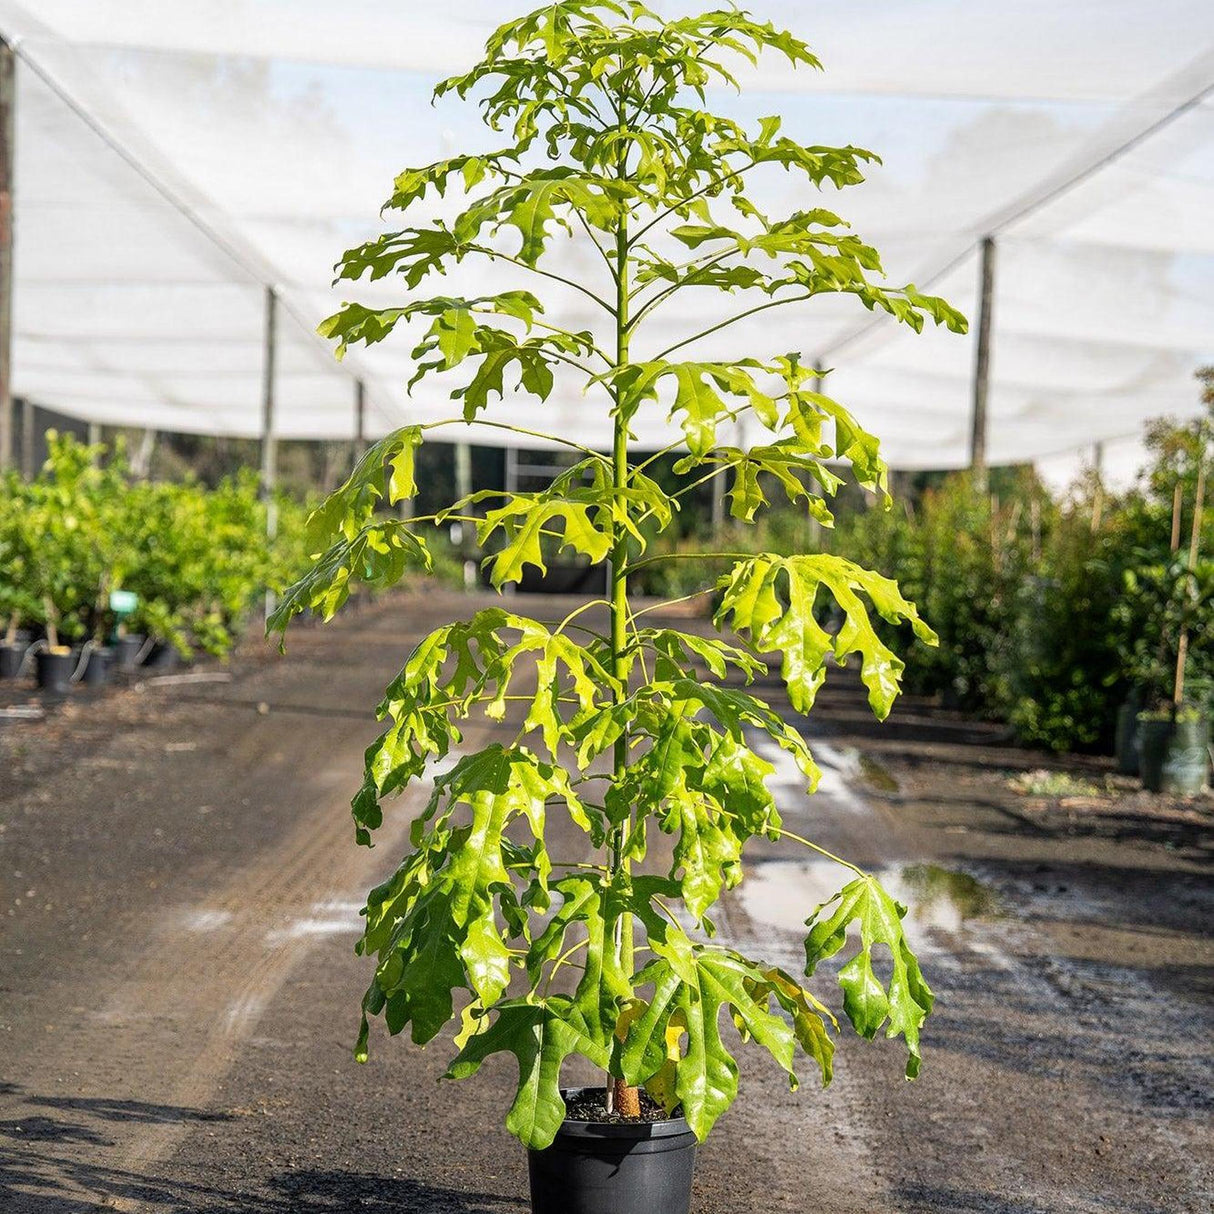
(632, 728)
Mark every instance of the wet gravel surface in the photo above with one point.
(178, 993)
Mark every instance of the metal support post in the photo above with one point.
(463, 487)
(8, 103)
(28, 467)
(269, 440)
(360, 420)
(982, 365)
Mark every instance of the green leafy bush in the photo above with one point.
(197, 558)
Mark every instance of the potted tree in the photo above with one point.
(1174, 600)
(629, 727)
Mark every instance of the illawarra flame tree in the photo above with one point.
(640, 726)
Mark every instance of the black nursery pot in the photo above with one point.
(162, 658)
(592, 1167)
(1154, 737)
(1188, 758)
(1128, 740)
(55, 670)
(126, 651)
(97, 671)
(11, 657)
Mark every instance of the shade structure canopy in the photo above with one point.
(174, 159)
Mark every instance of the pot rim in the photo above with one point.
(668, 1128)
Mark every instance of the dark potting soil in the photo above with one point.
(591, 1106)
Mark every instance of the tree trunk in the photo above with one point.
(625, 1100)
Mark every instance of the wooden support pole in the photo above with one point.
(141, 461)
(463, 487)
(1098, 487)
(8, 105)
(28, 467)
(511, 486)
(360, 420)
(269, 439)
(717, 484)
(982, 365)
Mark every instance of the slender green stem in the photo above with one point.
(661, 297)
(561, 960)
(551, 438)
(573, 615)
(830, 855)
(670, 210)
(640, 649)
(619, 558)
(686, 598)
(590, 346)
(708, 476)
(602, 252)
(622, 928)
(733, 320)
(657, 455)
(497, 255)
(441, 517)
(689, 556)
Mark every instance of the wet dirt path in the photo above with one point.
(178, 904)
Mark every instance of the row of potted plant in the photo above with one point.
(1055, 612)
(100, 570)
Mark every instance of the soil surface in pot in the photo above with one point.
(591, 1106)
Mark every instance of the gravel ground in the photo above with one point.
(178, 901)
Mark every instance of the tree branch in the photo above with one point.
(733, 320)
(496, 254)
(670, 210)
(541, 434)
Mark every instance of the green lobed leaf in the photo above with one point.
(378, 555)
(773, 601)
(541, 1035)
(706, 1074)
(907, 999)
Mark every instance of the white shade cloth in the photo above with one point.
(174, 159)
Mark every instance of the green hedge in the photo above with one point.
(1051, 611)
(196, 557)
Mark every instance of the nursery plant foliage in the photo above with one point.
(597, 109)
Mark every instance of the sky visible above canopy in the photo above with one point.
(174, 158)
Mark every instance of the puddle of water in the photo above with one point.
(302, 928)
(877, 775)
(929, 884)
(206, 920)
(782, 893)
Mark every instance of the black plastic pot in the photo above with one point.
(97, 669)
(1188, 758)
(162, 658)
(597, 1168)
(1153, 739)
(55, 670)
(1126, 739)
(126, 651)
(11, 657)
